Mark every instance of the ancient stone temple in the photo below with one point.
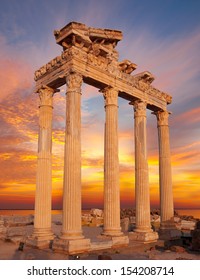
(89, 56)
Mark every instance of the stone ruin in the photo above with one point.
(89, 55)
(15, 228)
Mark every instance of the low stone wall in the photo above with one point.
(15, 228)
(16, 220)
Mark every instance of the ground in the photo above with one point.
(161, 250)
(134, 251)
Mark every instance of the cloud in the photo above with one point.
(15, 76)
(175, 62)
(190, 117)
(18, 136)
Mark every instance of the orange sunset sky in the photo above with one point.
(158, 38)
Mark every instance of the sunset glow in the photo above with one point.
(173, 58)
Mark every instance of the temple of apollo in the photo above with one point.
(89, 56)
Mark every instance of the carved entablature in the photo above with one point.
(53, 64)
(145, 76)
(143, 80)
(159, 94)
(92, 53)
(126, 66)
(73, 34)
(100, 61)
(91, 58)
(100, 42)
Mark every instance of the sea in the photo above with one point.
(183, 212)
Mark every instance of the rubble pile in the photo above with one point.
(15, 228)
(93, 218)
(196, 237)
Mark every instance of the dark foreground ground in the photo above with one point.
(134, 251)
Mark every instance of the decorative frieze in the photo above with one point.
(119, 71)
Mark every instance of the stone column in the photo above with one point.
(42, 233)
(72, 239)
(111, 165)
(72, 166)
(143, 231)
(165, 175)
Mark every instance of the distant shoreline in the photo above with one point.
(194, 212)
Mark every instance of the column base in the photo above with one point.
(118, 241)
(112, 232)
(114, 241)
(41, 238)
(73, 235)
(143, 237)
(40, 243)
(169, 225)
(169, 234)
(71, 246)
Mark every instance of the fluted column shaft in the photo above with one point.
(72, 165)
(42, 219)
(111, 165)
(165, 175)
(142, 196)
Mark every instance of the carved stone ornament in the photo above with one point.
(143, 86)
(140, 108)
(74, 81)
(162, 117)
(93, 50)
(110, 96)
(127, 66)
(45, 94)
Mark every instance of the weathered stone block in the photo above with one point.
(101, 245)
(188, 225)
(125, 224)
(97, 212)
(168, 234)
(177, 249)
(15, 231)
(71, 246)
(120, 241)
(14, 221)
(196, 240)
(143, 237)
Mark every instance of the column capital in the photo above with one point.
(45, 94)
(74, 81)
(162, 117)
(139, 108)
(110, 95)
